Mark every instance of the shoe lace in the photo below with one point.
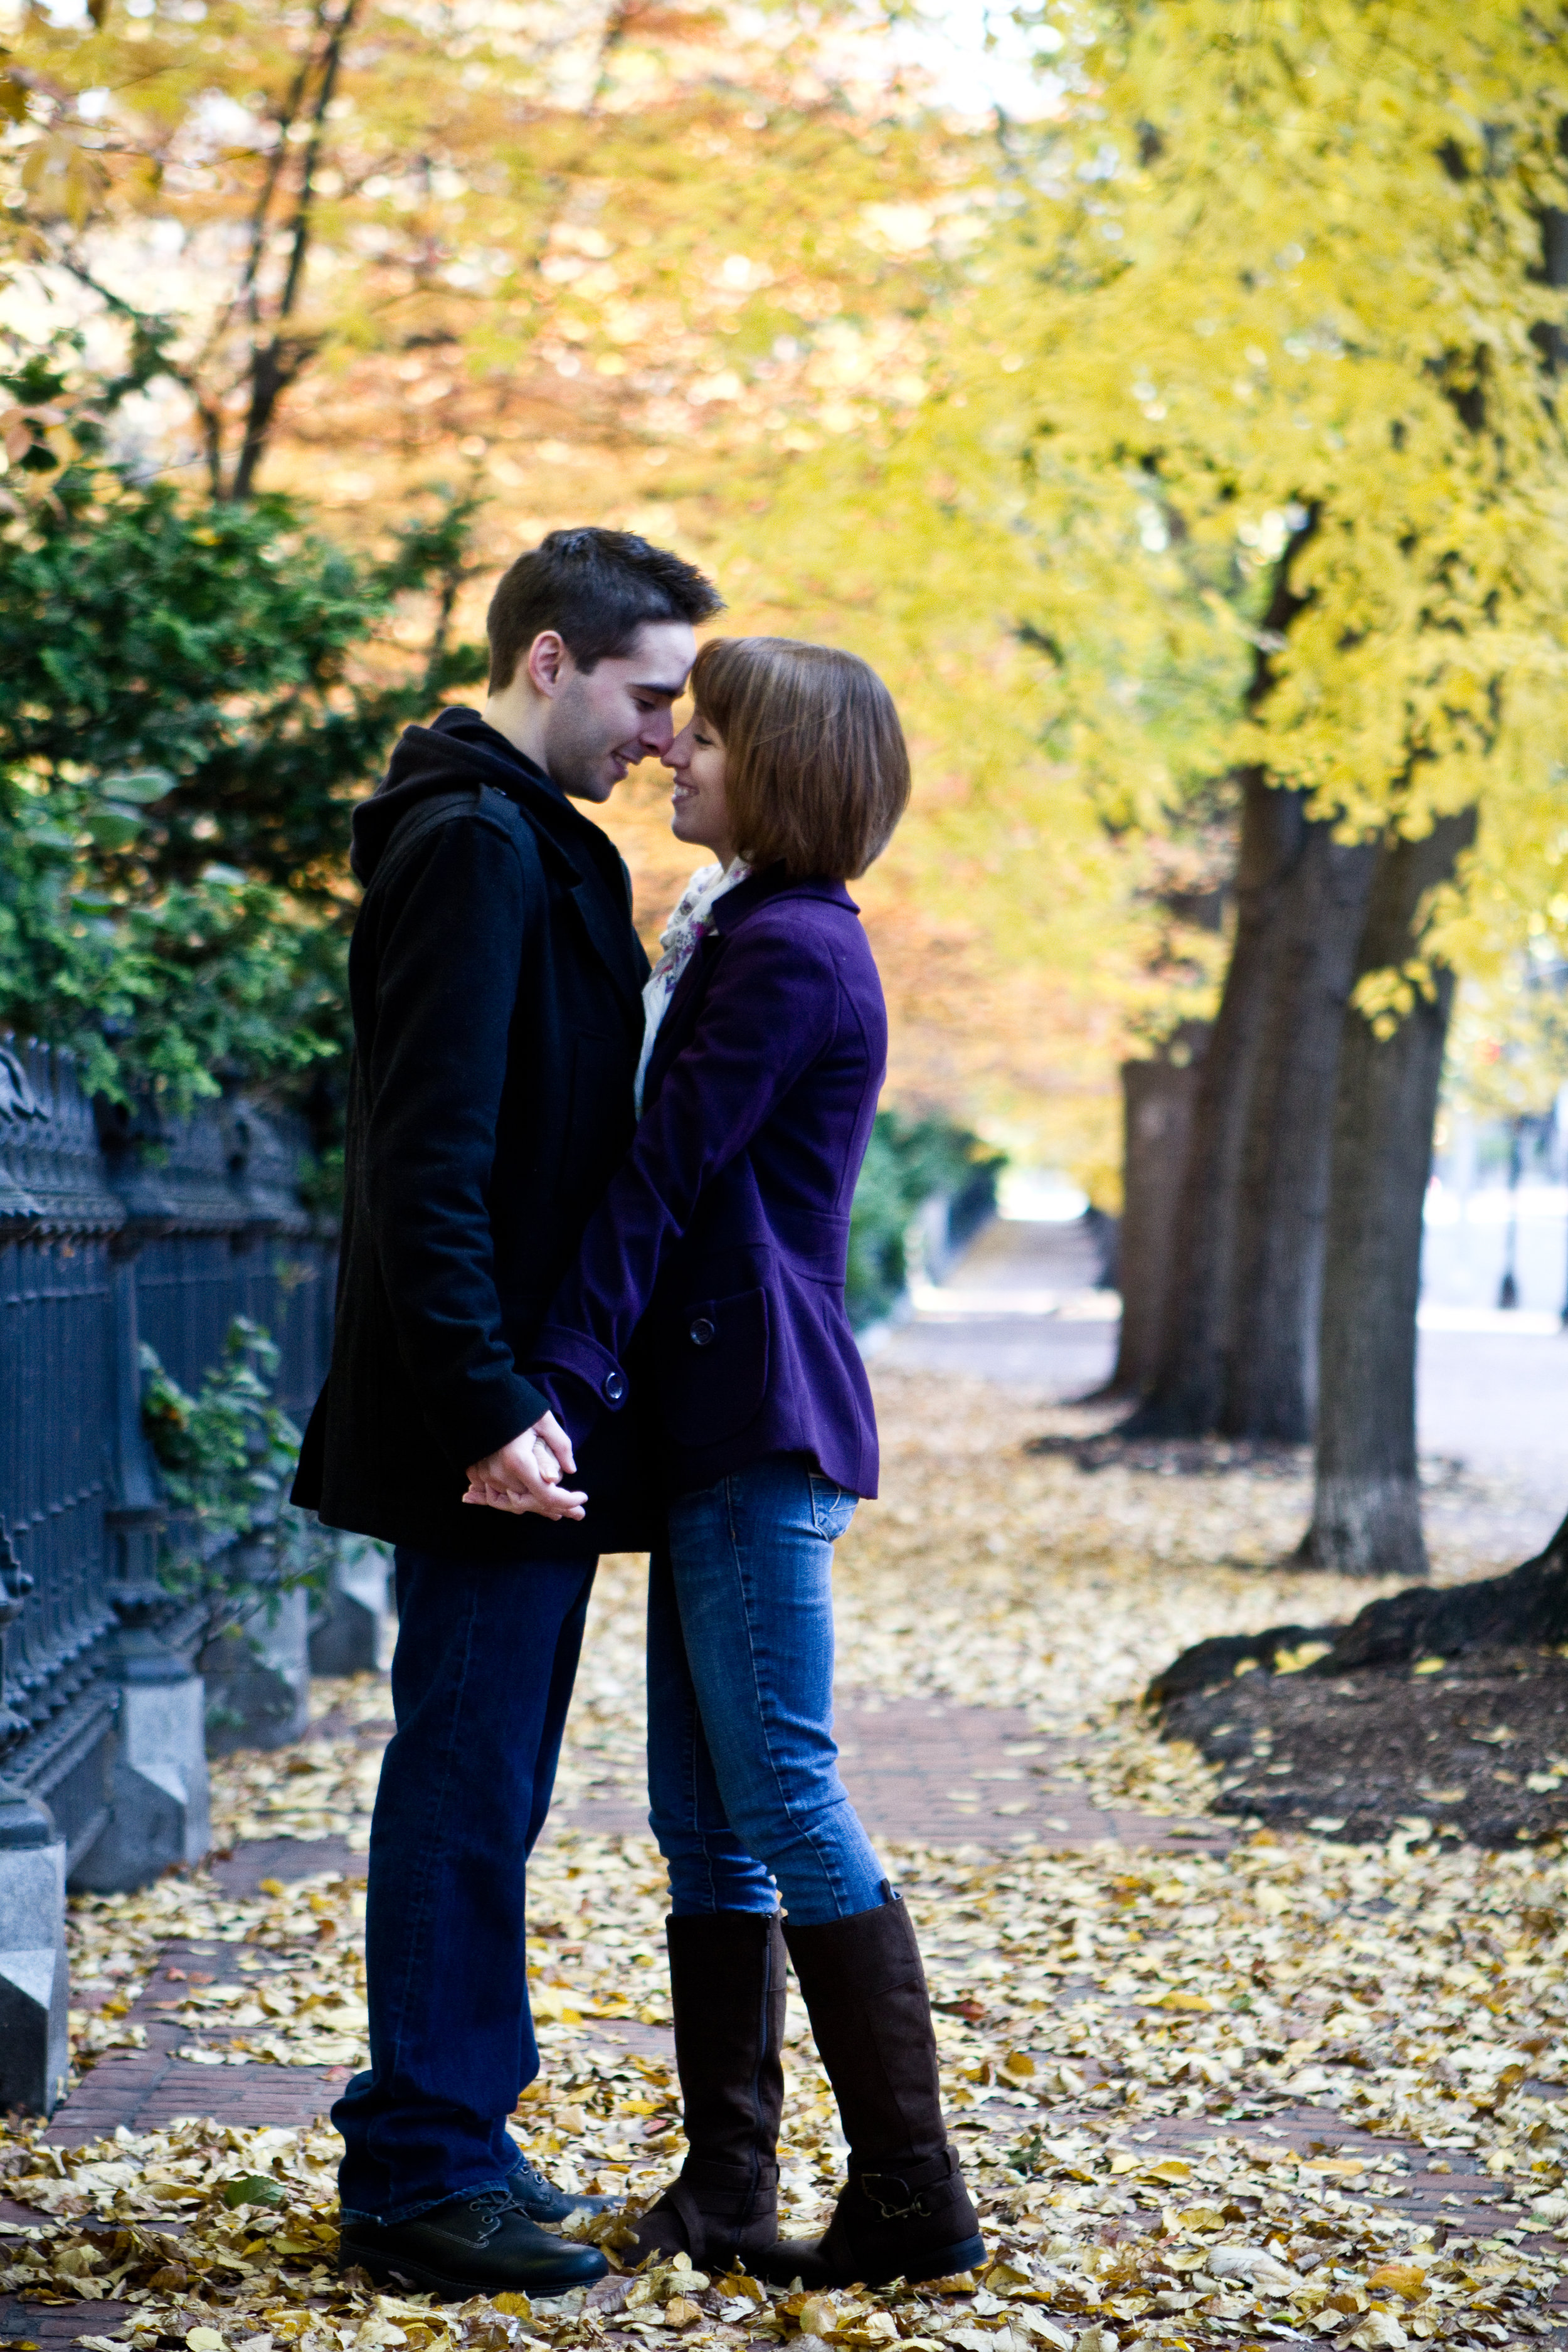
(489, 2205)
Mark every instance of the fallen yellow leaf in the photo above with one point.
(1405, 2279)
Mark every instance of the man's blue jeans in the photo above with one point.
(481, 1682)
(747, 1804)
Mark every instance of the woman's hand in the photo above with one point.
(525, 1475)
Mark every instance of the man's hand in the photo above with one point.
(526, 1474)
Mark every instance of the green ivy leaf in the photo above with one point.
(253, 2189)
(139, 784)
(111, 826)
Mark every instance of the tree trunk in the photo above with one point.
(1366, 1516)
(1158, 1100)
(1189, 1386)
(1270, 1381)
(1525, 1609)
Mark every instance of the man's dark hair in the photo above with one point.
(597, 588)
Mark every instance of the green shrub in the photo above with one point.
(227, 1455)
(191, 696)
(907, 1162)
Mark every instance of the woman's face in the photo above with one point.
(699, 810)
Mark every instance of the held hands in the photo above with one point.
(526, 1474)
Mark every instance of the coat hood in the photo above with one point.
(456, 749)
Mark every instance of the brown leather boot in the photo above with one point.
(904, 2211)
(727, 1988)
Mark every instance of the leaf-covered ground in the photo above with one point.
(1119, 2031)
(1476, 1745)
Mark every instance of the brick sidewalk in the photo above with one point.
(148, 2088)
(925, 1773)
(919, 1771)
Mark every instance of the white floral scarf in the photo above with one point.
(679, 940)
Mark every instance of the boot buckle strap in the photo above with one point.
(879, 2195)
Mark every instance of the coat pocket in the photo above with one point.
(717, 1367)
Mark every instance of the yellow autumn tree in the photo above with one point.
(1253, 436)
(1265, 322)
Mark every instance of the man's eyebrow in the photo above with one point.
(652, 687)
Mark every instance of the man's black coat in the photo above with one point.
(496, 982)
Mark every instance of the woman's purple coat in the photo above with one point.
(727, 1224)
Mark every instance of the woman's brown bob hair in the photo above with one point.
(816, 771)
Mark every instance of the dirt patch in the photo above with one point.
(1476, 1749)
(1174, 1457)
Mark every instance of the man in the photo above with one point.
(496, 982)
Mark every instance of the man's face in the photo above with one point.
(603, 720)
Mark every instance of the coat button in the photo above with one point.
(702, 1332)
(615, 1386)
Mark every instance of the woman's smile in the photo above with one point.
(698, 810)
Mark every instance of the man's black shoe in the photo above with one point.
(471, 2245)
(541, 2200)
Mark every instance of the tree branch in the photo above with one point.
(145, 325)
(275, 364)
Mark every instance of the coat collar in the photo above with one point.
(605, 915)
(732, 908)
(773, 882)
(572, 843)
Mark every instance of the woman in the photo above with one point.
(728, 1229)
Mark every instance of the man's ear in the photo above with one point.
(547, 662)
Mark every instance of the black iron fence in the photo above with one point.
(117, 1229)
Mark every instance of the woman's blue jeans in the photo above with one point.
(747, 1804)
